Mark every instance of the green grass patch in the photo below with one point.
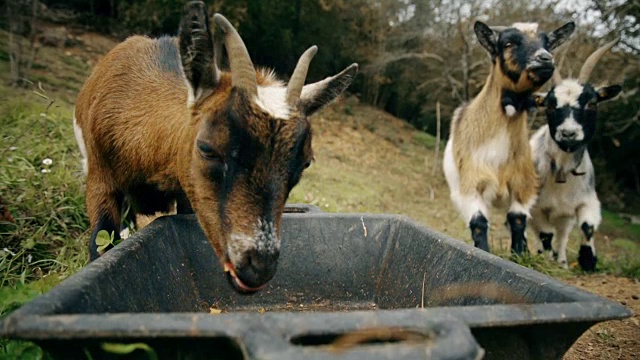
(627, 261)
(541, 264)
(617, 226)
(427, 140)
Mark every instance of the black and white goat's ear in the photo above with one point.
(317, 95)
(608, 92)
(487, 37)
(560, 35)
(197, 52)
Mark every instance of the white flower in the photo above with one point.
(47, 161)
(29, 258)
(45, 171)
(13, 148)
(9, 252)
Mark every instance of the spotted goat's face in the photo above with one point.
(522, 53)
(253, 143)
(571, 105)
(571, 110)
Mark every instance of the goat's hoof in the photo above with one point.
(564, 264)
(587, 259)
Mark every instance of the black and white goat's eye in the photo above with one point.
(592, 105)
(508, 45)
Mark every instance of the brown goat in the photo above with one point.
(161, 126)
(488, 159)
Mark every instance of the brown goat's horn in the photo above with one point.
(243, 75)
(294, 88)
(592, 60)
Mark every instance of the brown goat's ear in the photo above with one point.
(486, 37)
(315, 96)
(608, 92)
(560, 35)
(196, 52)
(538, 98)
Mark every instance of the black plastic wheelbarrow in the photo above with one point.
(348, 286)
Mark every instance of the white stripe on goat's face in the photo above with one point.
(272, 99)
(567, 93)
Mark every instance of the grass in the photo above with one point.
(366, 161)
(428, 140)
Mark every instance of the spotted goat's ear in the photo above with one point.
(608, 92)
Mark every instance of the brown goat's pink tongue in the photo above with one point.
(228, 267)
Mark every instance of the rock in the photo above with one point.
(54, 37)
(72, 41)
(623, 302)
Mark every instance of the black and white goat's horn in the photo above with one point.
(593, 59)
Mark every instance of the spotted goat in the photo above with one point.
(487, 160)
(161, 126)
(567, 193)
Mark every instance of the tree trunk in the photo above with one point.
(436, 156)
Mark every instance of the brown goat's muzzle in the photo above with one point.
(254, 274)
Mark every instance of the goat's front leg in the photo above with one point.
(517, 223)
(103, 206)
(475, 212)
(589, 218)
(523, 186)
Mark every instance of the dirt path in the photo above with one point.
(613, 339)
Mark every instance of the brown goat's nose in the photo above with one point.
(260, 268)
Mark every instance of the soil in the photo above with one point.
(619, 339)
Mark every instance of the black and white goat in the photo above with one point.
(567, 178)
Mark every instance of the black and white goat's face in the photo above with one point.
(522, 52)
(571, 112)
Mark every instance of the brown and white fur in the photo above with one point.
(567, 178)
(487, 160)
(159, 125)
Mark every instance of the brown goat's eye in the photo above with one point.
(207, 152)
(307, 164)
